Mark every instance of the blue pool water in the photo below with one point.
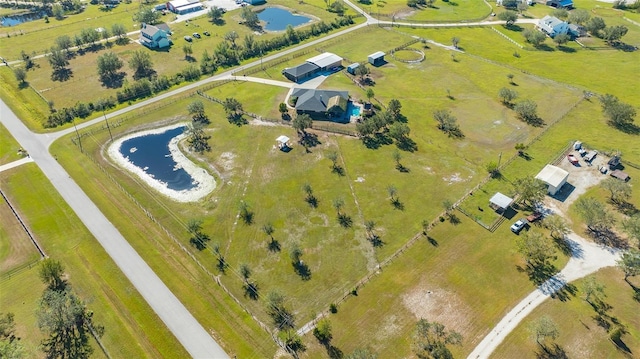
(13, 20)
(277, 19)
(354, 110)
(151, 153)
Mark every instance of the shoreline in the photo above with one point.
(205, 182)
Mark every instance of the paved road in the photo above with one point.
(587, 257)
(195, 339)
(15, 163)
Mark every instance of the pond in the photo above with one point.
(277, 19)
(13, 20)
(155, 157)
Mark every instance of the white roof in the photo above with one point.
(501, 200)
(377, 54)
(282, 139)
(325, 59)
(552, 175)
(180, 3)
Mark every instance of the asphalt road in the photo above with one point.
(195, 338)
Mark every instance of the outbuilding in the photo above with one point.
(500, 201)
(376, 59)
(326, 61)
(352, 68)
(184, 6)
(554, 177)
(620, 175)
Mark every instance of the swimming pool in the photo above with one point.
(354, 110)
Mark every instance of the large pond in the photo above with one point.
(277, 19)
(13, 20)
(155, 157)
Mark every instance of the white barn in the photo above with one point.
(554, 177)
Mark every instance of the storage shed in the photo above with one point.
(620, 175)
(326, 61)
(554, 177)
(352, 68)
(376, 59)
(500, 201)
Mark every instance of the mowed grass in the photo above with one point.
(466, 279)
(580, 334)
(8, 147)
(442, 11)
(231, 326)
(16, 248)
(23, 101)
(92, 274)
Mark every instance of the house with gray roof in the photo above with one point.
(321, 104)
(153, 37)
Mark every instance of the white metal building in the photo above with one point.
(554, 177)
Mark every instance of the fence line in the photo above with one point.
(507, 37)
(24, 226)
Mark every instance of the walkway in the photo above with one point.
(587, 258)
(16, 163)
(195, 339)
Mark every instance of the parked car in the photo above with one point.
(534, 217)
(188, 38)
(196, 35)
(206, 33)
(519, 225)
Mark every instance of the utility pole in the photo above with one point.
(499, 159)
(78, 135)
(107, 122)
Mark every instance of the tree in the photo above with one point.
(338, 203)
(560, 14)
(57, 59)
(629, 262)
(66, 324)
(534, 37)
(430, 340)
(197, 139)
(231, 36)
(510, 77)
(196, 110)
(322, 332)
(292, 34)
(619, 114)
(594, 214)
(10, 345)
(21, 75)
(215, 14)
(141, 64)
(245, 213)
(361, 353)
(89, 36)
(595, 25)
(631, 225)
(455, 41)
(507, 95)
(447, 123)
(333, 157)
(64, 42)
(613, 34)
(509, 17)
(282, 318)
(301, 123)
(619, 191)
(370, 94)
(104, 33)
(108, 66)
(557, 225)
(535, 248)
(282, 108)
(520, 147)
(579, 16)
(198, 239)
(337, 7)
(394, 108)
(250, 17)
(527, 110)
(531, 189)
(147, 15)
(234, 110)
(58, 11)
(561, 39)
(268, 229)
(119, 30)
(399, 131)
(51, 272)
(245, 272)
(544, 328)
(592, 289)
(362, 71)
(188, 51)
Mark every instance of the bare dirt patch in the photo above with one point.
(440, 305)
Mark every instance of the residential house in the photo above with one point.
(553, 26)
(561, 4)
(154, 37)
(321, 104)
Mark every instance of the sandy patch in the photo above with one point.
(435, 304)
(205, 183)
(359, 179)
(226, 160)
(455, 178)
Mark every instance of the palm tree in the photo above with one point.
(295, 253)
(393, 191)
(268, 229)
(245, 272)
(338, 203)
(370, 94)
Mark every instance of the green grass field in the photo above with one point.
(93, 275)
(580, 334)
(442, 11)
(16, 249)
(9, 148)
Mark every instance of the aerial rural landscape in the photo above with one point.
(320, 179)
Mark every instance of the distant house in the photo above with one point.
(554, 177)
(321, 104)
(254, 2)
(153, 37)
(184, 6)
(352, 68)
(561, 4)
(314, 65)
(553, 26)
(376, 59)
(577, 30)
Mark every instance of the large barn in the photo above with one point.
(314, 65)
(184, 6)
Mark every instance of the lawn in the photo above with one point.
(9, 148)
(16, 248)
(94, 277)
(581, 334)
(442, 11)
